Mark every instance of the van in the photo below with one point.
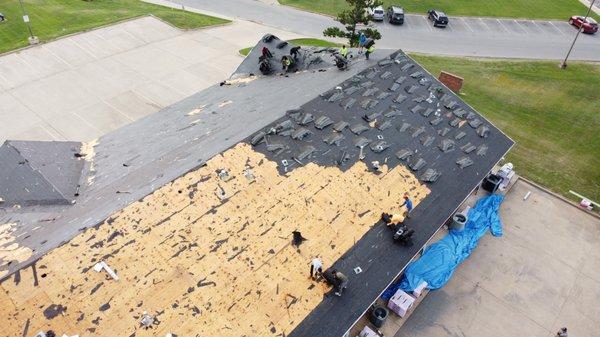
(395, 15)
(378, 13)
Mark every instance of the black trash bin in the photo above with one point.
(378, 316)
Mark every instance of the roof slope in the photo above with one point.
(39, 173)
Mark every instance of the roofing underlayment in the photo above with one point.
(33, 172)
(210, 252)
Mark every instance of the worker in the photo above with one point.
(286, 63)
(341, 282)
(344, 51)
(266, 53)
(562, 332)
(369, 50)
(409, 205)
(316, 268)
(294, 52)
(362, 39)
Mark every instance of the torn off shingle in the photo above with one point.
(357, 129)
(379, 146)
(446, 145)
(361, 142)
(334, 138)
(464, 162)
(404, 154)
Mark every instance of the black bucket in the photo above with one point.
(378, 316)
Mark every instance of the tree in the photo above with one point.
(357, 14)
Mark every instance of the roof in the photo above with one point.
(211, 252)
(39, 173)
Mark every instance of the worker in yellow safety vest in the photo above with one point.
(369, 51)
(344, 51)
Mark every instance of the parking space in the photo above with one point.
(504, 28)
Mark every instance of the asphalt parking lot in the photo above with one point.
(488, 26)
(475, 37)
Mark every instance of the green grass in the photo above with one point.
(552, 114)
(533, 9)
(54, 18)
(301, 42)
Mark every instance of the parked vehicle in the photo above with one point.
(439, 18)
(378, 13)
(590, 26)
(395, 15)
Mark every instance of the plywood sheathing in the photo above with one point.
(208, 267)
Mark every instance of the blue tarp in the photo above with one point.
(439, 260)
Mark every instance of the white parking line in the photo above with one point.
(536, 26)
(466, 24)
(427, 23)
(521, 26)
(502, 25)
(485, 24)
(560, 31)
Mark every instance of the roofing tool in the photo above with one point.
(102, 265)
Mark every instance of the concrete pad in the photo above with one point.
(54, 94)
(72, 126)
(133, 105)
(458, 310)
(540, 276)
(38, 131)
(112, 75)
(15, 117)
(15, 70)
(151, 61)
(104, 117)
(69, 52)
(185, 82)
(161, 94)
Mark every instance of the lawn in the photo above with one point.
(533, 9)
(54, 18)
(301, 42)
(552, 114)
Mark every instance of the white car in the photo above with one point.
(378, 13)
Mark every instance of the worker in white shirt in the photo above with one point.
(316, 267)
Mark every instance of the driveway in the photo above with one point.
(464, 36)
(83, 86)
(543, 274)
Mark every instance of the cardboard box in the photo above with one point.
(401, 302)
(367, 332)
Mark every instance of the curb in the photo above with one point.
(558, 196)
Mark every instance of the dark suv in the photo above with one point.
(439, 18)
(395, 14)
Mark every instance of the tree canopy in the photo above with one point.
(357, 13)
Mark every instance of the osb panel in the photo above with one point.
(207, 267)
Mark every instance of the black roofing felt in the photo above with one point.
(400, 115)
(39, 173)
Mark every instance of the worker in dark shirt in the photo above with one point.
(294, 52)
(341, 282)
(266, 52)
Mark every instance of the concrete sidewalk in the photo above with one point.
(83, 86)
